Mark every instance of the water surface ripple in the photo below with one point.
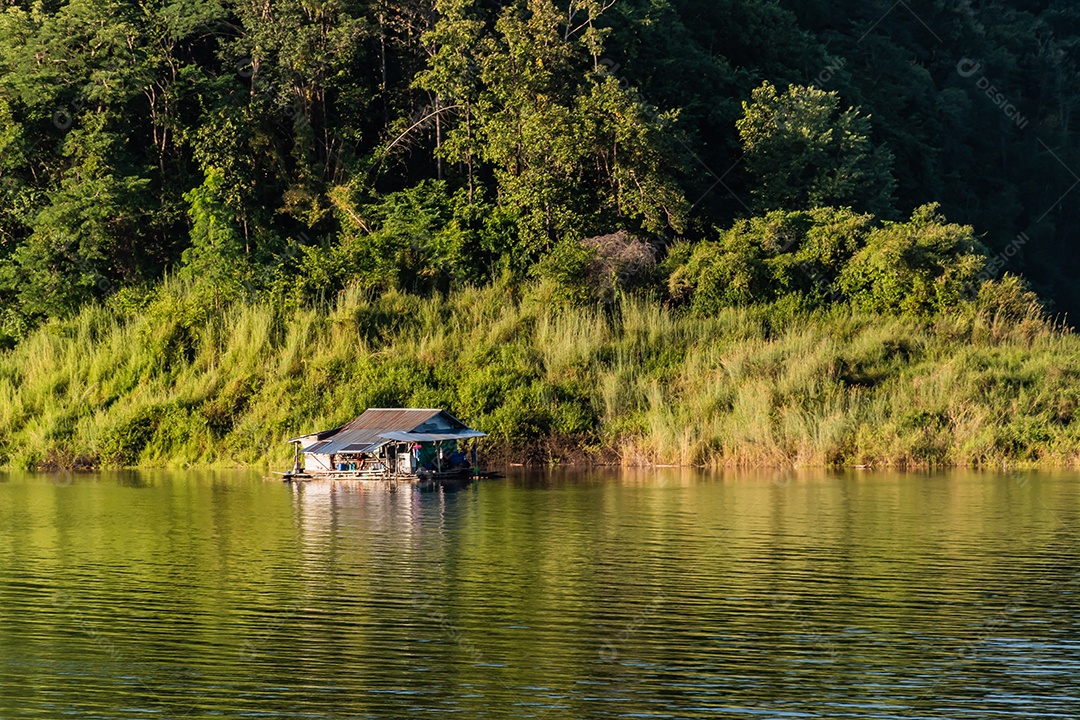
(664, 594)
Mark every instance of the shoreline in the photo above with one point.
(503, 462)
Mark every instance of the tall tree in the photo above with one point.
(803, 151)
(570, 149)
(216, 258)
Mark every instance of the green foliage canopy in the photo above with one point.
(428, 144)
(803, 152)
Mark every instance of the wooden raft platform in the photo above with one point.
(426, 480)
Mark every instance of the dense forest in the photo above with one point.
(171, 162)
(430, 144)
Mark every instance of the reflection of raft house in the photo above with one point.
(390, 443)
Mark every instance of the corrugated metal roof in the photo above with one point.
(331, 447)
(432, 437)
(365, 433)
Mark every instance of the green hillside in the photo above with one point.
(643, 231)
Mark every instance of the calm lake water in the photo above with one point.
(662, 594)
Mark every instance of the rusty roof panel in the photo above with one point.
(391, 419)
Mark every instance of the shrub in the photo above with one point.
(599, 268)
(569, 267)
(123, 443)
(920, 267)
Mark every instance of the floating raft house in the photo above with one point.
(390, 444)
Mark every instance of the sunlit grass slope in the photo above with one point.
(171, 384)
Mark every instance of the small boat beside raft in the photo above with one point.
(392, 444)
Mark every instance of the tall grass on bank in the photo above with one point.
(174, 384)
